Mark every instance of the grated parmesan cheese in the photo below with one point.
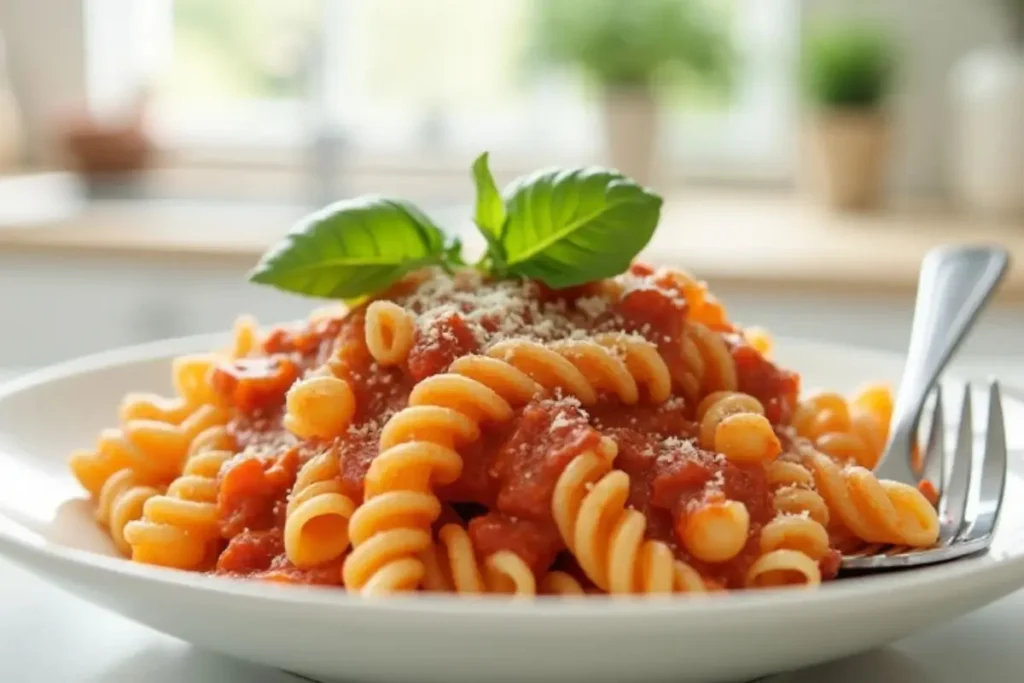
(560, 421)
(716, 483)
(495, 311)
(593, 306)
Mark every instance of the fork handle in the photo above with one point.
(956, 282)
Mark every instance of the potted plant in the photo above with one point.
(848, 71)
(628, 49)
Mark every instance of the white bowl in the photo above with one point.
(46, 525)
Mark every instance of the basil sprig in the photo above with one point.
(561, 226)
(490, 216)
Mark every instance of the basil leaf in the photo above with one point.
(566, 227)
(452, 256)
(490, 211)
(353, 248)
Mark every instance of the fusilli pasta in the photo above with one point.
(389, 332)
(734, 425)
(876, 511)
(708, 366)
(608, 539)
(452, 565)
(319, 407)
(179, 528)
(120, 502)
(848, 431)
(467, 435)
(316, 528)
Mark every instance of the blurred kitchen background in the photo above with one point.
(810, 151)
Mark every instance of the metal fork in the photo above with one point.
(955, 284)
(968, 513)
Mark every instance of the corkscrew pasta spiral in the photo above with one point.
(734, 425)
(245, 339)
(796, 539)
(119, 503)
(854, 431)
(140, 406)
(452, 564)
(560, 583)
(642, 362)
(153, 451)
(316, 525)
(319, 407)
(389, 332)
(584, 369)
(607, 539)
(177, 529)
(707, 364)
(622, 437)
(391, 529)
(873, 510)
(155, 433)
(190, 374)
(191, 377)
(783, 568)
(793, 491)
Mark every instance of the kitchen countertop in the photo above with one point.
(744, 238)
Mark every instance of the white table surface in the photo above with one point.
(48, 635)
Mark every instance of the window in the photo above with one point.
(408, 79)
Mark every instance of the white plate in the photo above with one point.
(47, 526)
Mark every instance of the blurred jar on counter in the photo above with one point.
(10, 117)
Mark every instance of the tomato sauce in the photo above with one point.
(514, 470)
(638, 450)
(252, 491)
(261, 431)
(255, 384)
(537, 543)
(254, 486)
(252, 501)
(509, 474)
(379, 392)
(670, 474)
(435, 348)
(775, 388)
(309, 344)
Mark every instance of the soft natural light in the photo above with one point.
(392, 77)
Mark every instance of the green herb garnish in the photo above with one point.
(567, 227)
(490, 216)
(563, 227)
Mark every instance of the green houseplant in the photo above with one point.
(848, 72)
(628, 49)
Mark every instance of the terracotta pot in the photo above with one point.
(630, 124)
(848, 153)
(95, 150)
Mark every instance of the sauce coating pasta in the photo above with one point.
(468, 435)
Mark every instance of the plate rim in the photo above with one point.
(29, 548)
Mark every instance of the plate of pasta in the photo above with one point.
(558, 461)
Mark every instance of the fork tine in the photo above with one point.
(993, 470)
(935, 449)
(953, 505)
